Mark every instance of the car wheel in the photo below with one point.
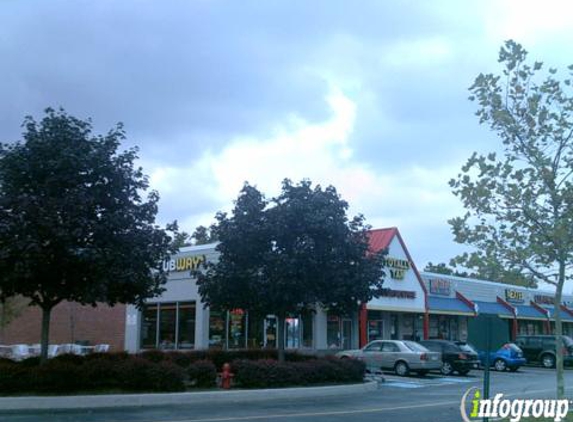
(548, 361)
(500, 365)
(446, 368)
(401, 369)
(464, 373)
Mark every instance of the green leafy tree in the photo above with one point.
(289, 254)
(203, 235)
(483, 269)
(180, 240)
(10, 309)
(73, 223)
(520, 202)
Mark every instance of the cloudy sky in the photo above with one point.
(369, 96)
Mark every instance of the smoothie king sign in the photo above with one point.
(473, 408)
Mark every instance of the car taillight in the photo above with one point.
(423, 356)
(462, 356)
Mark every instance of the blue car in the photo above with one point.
(509, 356)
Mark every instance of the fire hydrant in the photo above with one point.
(226, 376)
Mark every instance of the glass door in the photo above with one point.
(270, 337)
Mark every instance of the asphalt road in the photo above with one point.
(430, 399)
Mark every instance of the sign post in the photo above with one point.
(486, 379)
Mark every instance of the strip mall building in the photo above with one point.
(412, 305)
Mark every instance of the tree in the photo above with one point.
(520, 203)
(291, 253)
(484, 269)
(203, 235)
(73, 223)
(10, 309)
(180, 240)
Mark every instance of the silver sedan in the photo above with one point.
(402, 356)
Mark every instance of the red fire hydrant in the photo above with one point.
(226, 376)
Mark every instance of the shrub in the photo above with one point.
(154, 355)
(102, 373)
(166, 376)
(202, 374)
(57, 376)
(13, 378)
(68, 358)
(270, 373)
(30, 362)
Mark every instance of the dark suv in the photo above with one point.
(454, 356)
(542, 349)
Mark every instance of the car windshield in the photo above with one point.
(467, 348)
(512, 346)
(567, 341)
(415, 347)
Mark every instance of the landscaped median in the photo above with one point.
(114, 377)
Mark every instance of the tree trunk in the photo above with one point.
(46, 311)
(558, 333)
(281, 337)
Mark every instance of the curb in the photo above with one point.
(160, 399)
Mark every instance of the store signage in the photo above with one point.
(515, 296)
(544, 299)
(400, 294)
(440, 287)
(397, 267)
(187, 263)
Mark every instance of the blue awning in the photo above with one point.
(493, 308)
(529, 312)
(447, 305)
(565, 316)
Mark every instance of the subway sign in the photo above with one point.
(515, 296)
(187, 263)
(397, 267)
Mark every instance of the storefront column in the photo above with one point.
(363, 325)
(514, 329)
(320, 342)
(201, 327)
(426, 327)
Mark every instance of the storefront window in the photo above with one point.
(333, 331)
(167, 325)
(237, 325)
(186, 337)
(292, 333)
(149, 327)
(394, 327)
(217, 321)
(271, 331)
(255, 331)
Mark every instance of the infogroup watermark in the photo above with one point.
(514, 409)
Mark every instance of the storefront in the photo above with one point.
(400, 311)
(449, 310)
(178, 320)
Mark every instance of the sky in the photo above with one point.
(370, 97)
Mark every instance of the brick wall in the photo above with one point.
(70, 322)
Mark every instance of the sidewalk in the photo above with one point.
(160, 399)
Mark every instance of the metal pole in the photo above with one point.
(487, 362)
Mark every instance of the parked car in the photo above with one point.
(402, 356)
(509, 356)
(454, 357)
(542, 349)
